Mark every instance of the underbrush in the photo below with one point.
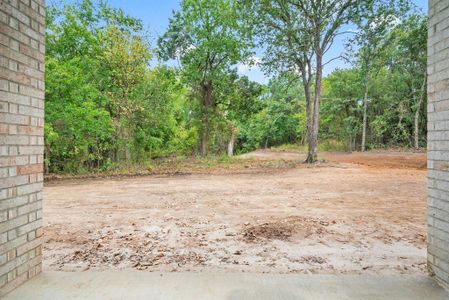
(179, 165)
(324, 146)
(338, 146)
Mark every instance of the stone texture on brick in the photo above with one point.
(438, 141)
(21, 140)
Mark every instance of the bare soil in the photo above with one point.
(382, 159)
(355, 213)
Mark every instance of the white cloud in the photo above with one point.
(244, 68)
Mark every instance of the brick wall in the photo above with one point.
(21, 140)
(438, 140)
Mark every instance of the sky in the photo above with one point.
(156, 13)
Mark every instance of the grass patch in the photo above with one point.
(290, 148)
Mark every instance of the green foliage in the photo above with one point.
(79, 129)
(280, 117)
(104, 106)
(341, 107)
(208, 37)
(397, 91)
(108, 108)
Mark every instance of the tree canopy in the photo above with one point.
(114, 99)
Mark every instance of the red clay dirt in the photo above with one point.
(356, 213)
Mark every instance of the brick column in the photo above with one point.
(438, 141)
(22, 37)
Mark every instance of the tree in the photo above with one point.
(236, 97)
(207, 36)
(78, 127)
(396, 91)
(374, 22)
(105, 106)
(341, 111)
(409, 56)
(239, 102)
(125, 59)
(276, 114)
(298, 33)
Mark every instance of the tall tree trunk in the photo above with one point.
(309, 113)
(418, 111)
(127, 150)
(231, 144)
(313, 139)
(123, 154)
(365, 113)
(233, 130)
(207, 104)
(205, 134)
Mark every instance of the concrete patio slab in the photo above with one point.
(196, 286)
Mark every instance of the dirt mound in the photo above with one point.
(284, 229)
(268, 231)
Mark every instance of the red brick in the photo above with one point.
(30, 169)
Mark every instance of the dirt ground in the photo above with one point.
(354, 213)
(381, 159)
